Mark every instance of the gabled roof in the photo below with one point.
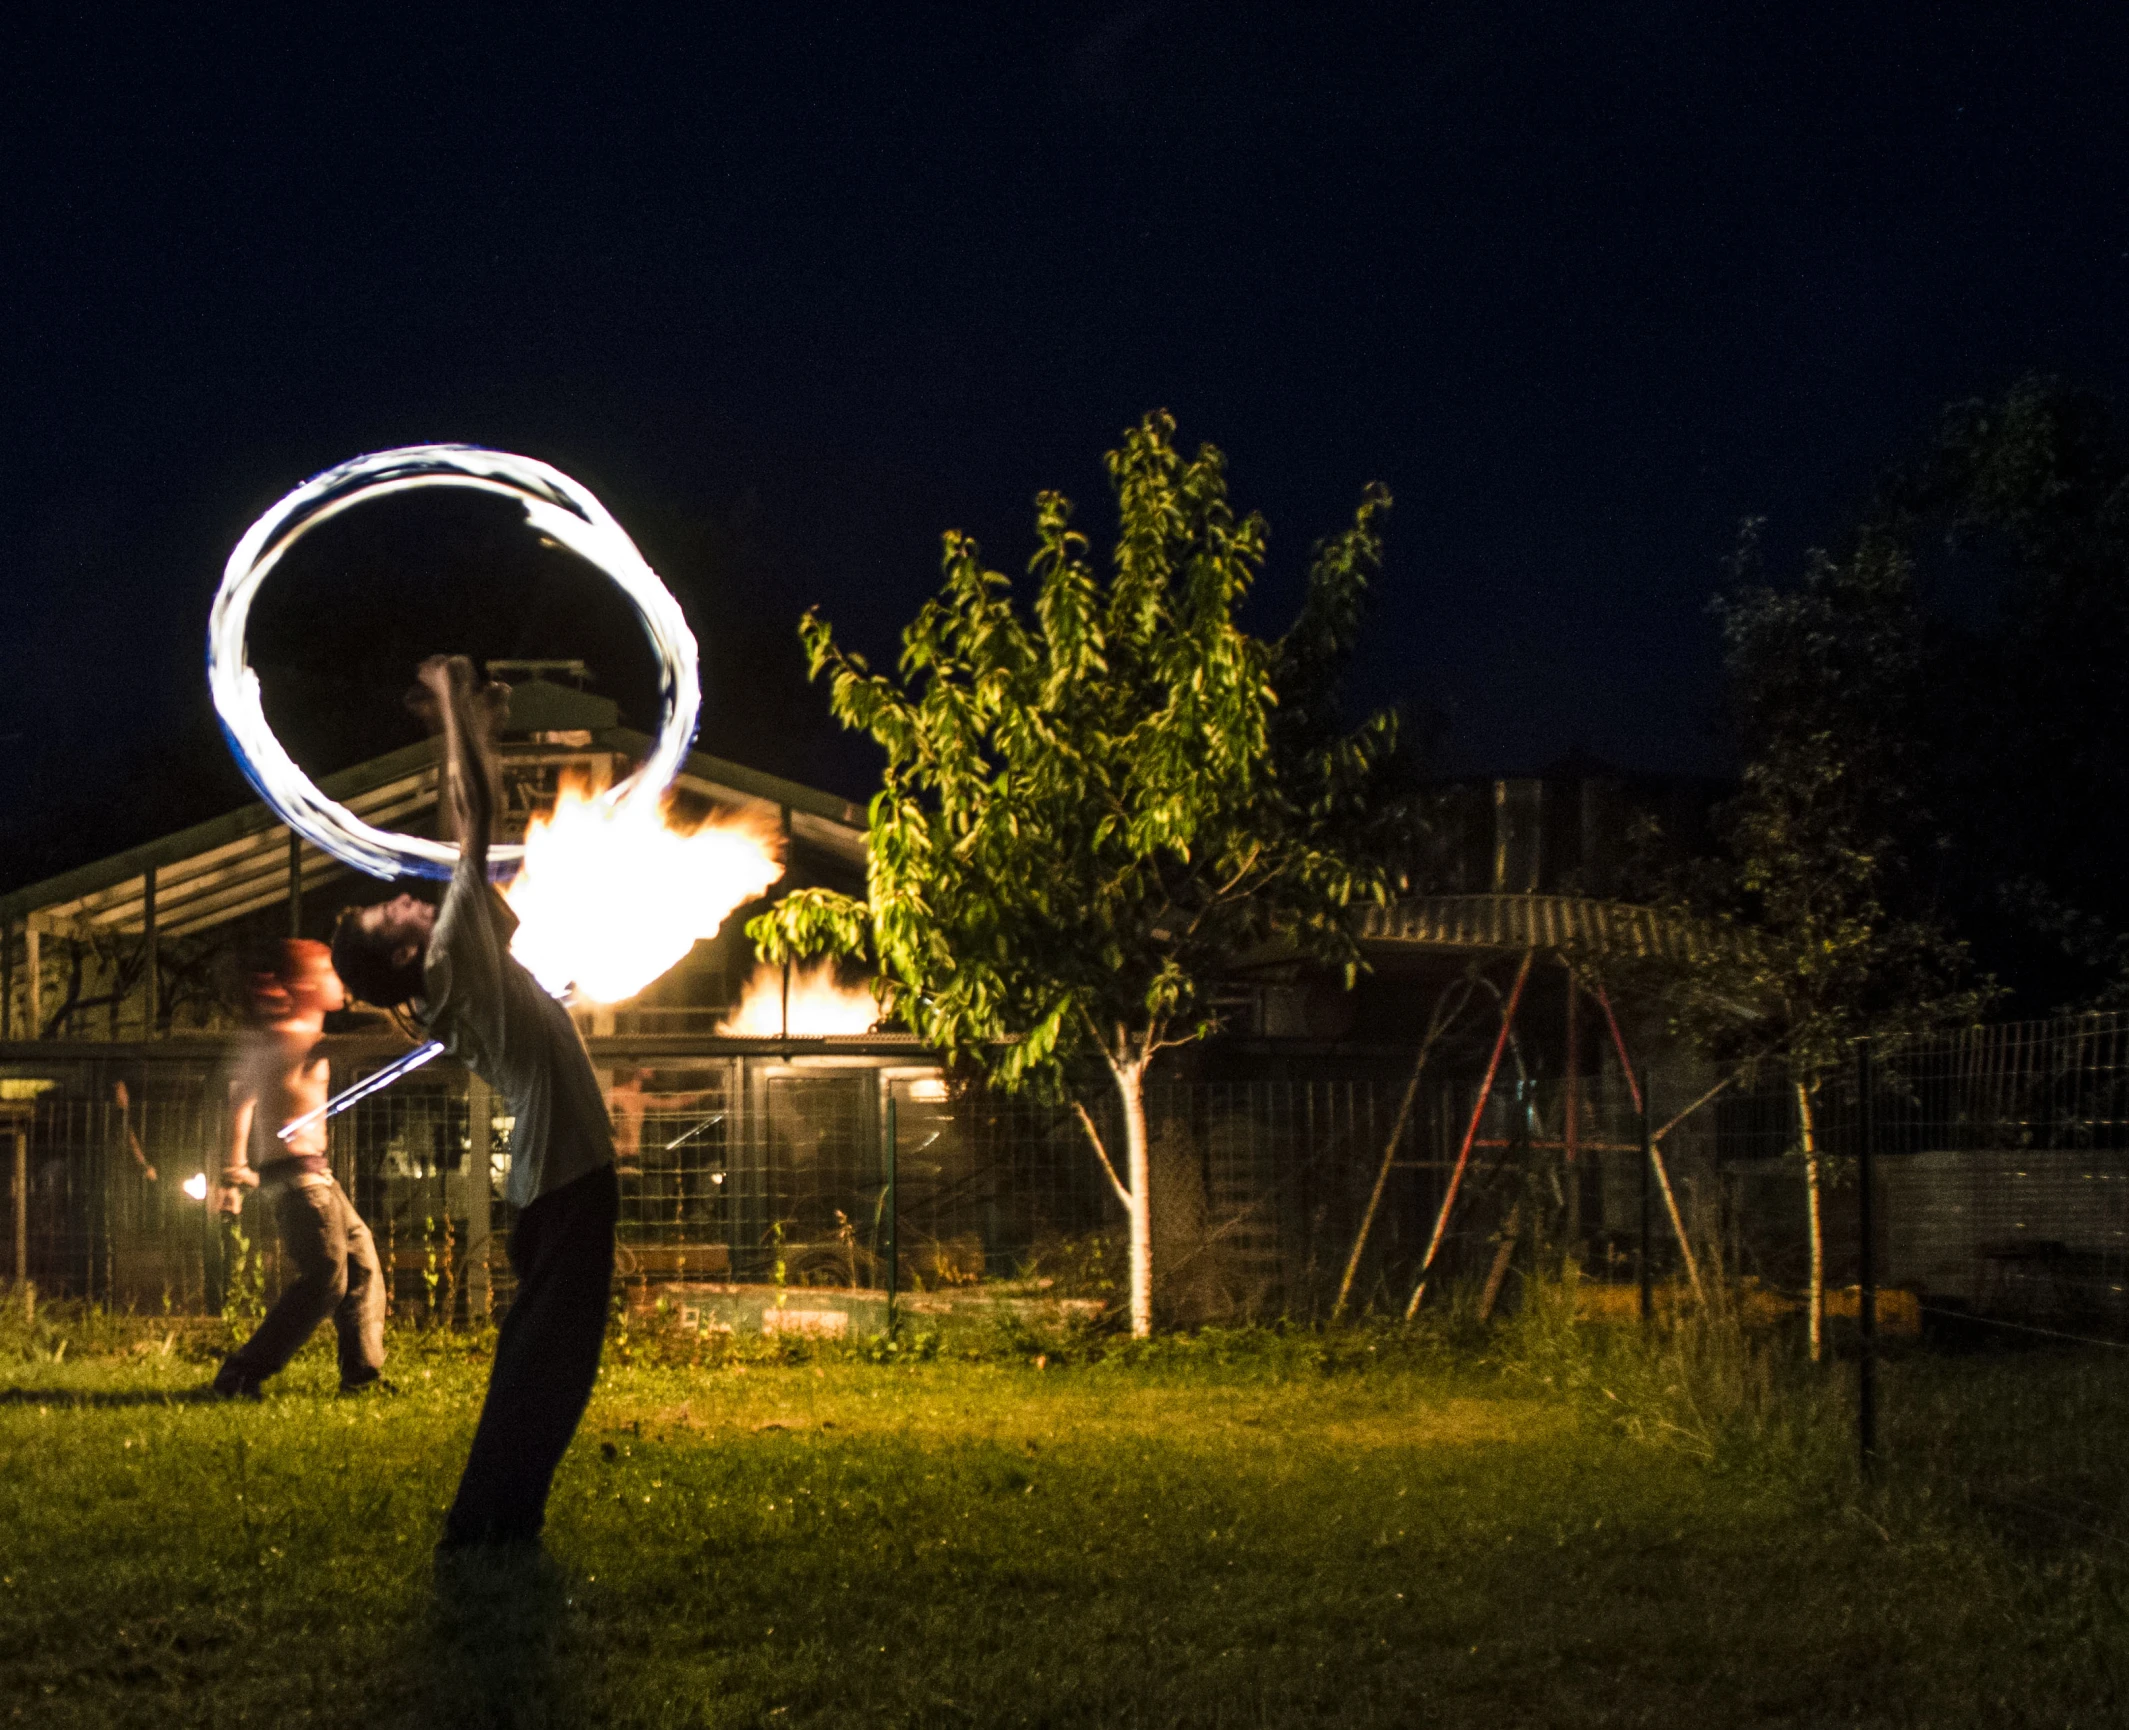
(237, 864)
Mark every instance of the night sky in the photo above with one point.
(1585, 286)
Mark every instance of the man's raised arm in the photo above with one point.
(467, 716)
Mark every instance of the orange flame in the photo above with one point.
(611, 895)
(820, 1005)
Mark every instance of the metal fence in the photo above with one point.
(1990, 1166)
(738, 1170)
(1999, 1181)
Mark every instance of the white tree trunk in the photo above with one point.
(1816, 1299)
(1131, 1083)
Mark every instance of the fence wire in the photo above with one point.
(2000, 1185)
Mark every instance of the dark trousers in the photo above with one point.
(546, 1359)
(337, 1275)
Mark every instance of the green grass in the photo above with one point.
(1238, 1531)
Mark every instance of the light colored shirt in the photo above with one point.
(494, 1018)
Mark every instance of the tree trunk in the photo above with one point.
(1815, 1301)
(1131, 1084)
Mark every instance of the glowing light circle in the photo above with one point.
(557, 508)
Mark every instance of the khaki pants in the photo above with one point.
(337, 1275)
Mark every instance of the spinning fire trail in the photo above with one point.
(608, 894)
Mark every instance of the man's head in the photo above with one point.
(378, 950)
(299, 988)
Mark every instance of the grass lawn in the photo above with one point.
(1218, 1535)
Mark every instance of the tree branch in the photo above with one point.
(1101, 1153)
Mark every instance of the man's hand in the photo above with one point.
(467, 713)
(442, 677)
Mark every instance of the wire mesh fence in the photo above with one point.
(740, 1170)
(1999, 1183)
(1997, 1168)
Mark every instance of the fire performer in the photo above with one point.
(454, 970)
(278, 1078)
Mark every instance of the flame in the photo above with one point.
(196, 1186)
(611, 895)
(820, 1005)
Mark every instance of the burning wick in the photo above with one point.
(196, 1186)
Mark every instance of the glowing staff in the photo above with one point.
(556, 508)
(362, 1089)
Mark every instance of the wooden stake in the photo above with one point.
(1511, 1228)
(1817, 1303)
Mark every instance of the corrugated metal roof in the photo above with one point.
(1513, 922)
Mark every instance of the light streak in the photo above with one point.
(559, 947)
(369, 1084)
(690, 1134)
(557, 508)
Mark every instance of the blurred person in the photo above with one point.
(123, 1099)
(453, 968)
(279, 1078)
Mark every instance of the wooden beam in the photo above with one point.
(151, 973)
(261, 884)
(117, 907)
(351, 787)
(238, 904)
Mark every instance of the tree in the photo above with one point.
(1089, 807)
(2022, 504)
(1832, 933)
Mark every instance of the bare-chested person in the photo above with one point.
(278, 1079)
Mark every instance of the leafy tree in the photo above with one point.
(2020, 511)
(1830, 931)
(1093, 804)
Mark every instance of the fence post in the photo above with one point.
(1867, 1272)
(1648, 1214)
(894, 1235)
(22, 1216)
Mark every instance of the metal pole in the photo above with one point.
(35, 957)
(1867, 1274)
(151, 968)
(1571, 1126)
(1648, 1217)
(22, 1215)
(785, 813)
(894, 1235)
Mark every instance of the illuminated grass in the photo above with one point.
(1187, 1540)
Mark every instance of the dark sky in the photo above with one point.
(1584, 285)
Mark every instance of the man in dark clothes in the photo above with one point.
(280, 1079)
(453, 967)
